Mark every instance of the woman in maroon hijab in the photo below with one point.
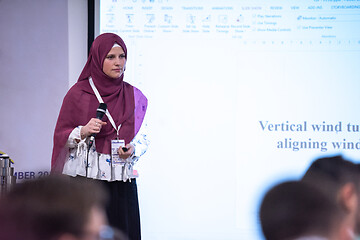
(101, 81)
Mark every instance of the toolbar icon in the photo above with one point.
(190, 18)
(207, 18)
(130, 18)
(150, 18)
(223, 19)
(167, 18)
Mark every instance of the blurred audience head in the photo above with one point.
(294, 209)
(54, 208)
(338, 179)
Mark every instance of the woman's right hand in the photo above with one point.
(93, 126)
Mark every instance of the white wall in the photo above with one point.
(77, 29)
(43, 47)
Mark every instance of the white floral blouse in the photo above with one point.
(100, 165)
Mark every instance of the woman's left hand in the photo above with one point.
(125, 155)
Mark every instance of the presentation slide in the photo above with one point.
(242, 95)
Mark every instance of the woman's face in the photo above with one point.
(114, 63)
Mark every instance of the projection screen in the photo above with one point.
(242, 95)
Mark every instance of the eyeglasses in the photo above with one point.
(106, 233)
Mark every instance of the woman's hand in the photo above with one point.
(125, 155)
(93, 126)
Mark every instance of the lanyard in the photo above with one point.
(117, 129)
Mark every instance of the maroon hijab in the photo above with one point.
(126, 104)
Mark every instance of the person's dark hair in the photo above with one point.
(331, 173)
(293, 209)
(46, 207)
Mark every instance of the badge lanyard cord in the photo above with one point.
(117, 129)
